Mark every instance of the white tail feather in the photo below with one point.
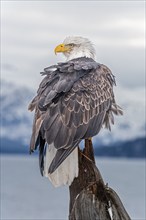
(66, 172)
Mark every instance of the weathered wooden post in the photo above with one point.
(90, 198)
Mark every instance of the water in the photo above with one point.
(25, 195)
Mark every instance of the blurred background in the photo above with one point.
(30, 30)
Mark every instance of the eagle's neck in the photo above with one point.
(81, 52)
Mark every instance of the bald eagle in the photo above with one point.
(74, 101)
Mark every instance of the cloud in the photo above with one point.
(9, 67)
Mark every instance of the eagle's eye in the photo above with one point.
(71, 45)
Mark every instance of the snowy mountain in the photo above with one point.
(16, 121)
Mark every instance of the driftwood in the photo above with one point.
(90, 198)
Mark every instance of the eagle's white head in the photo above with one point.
(75, 47)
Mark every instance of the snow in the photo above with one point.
(26, 195)
(16, 120)
(132, 124)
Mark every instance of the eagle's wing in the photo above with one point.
(73, 102)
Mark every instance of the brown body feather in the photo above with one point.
(72, 103)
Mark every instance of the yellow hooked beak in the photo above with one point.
(61, 48)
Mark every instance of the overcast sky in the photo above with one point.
(32, 29)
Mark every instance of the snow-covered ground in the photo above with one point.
(25, 195)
